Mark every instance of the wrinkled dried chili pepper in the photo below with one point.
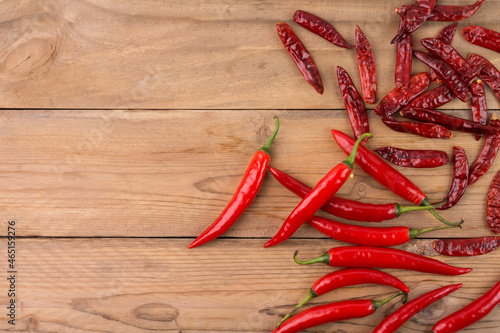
(414, 18)
(493, 205)
(353, 103)
(395, 320)
(366, 67)
(478, 105)
(460, 178)
(320, 27)
(466, 247)
(446, 36)
(404, 57)
(481, 36)
(425, 130)
(244, 195)
(348, 209)
(320, 194)
(348, 277)
(300, 56)
(381, 257)
(447, 53)
(489, 73)
(447, 13)
(414, 158)
(471, 313)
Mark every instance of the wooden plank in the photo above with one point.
(192, 54)
(146, 285)
(170, 173)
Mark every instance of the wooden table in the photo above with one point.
(126, 127)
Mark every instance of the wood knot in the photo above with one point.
(264, 133)
(360, 190)
(156, 312)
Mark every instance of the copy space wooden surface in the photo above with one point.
(126, 127)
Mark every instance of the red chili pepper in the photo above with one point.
(425, 130)
(414, 158)
(460, 178)
(446, 36)
(371, 236)
(366, 67)
(448, 54)
(386, 175)
(300, 56)
(324, 190)
(353, 103)
(381, 257)
(447, 74)
(487, 155)
(489, 73)
(493, 205)
(395, 320)
(478, 105)
(244, 195)
(414, 18)
(447, 13)
(320, 27)
(471, 313)
(328, 313)
(348, 277)
(481, 36)
(404, 57)
(466, 247)
(345, 208)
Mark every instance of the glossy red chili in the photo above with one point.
(414, 18)
(320, 27)
(348, 277)
(482, 36)
(487, 155)
(425, 130)
(395, 320)
(471, 313)
(460, 178)
(353, 104)
(493, 205)
(478, 105)
(489, 73)
(244, 195)
(319, 195)
(414, 158)
(381, 257)
(404, 57)
(300, 56)
(366, 67)
(447, 13)
(348, 209)
(447, 53)
(466, 247)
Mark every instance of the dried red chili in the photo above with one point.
(353, 103)
(466, 247)
(414, 158)
(489, 73)
(446, 36)
(481, 36)
(244, 195)
(447, 53)
(460, 178)
(300, 56)
(478, 105)
(493, 205)
(447, 13)
(404, 57)
(425, 130)
(414, 18)
(366, 67)
(320, 27)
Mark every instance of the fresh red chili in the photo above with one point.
(328, 313)
(366, 67)
(320, 27)
(425, 130)
(348, 209)
(466, 247)
(300, 56)
(414, 158)
(493, 205)
(489, 73)
(386, 175)
(460, 178)
(353, 103)
(381, 257)
(487, 155)
(314, 200)
(348, 277)
(404, 57)
(482, 36)
(471, 313)
(447, 53)
(244, 195)
(478, 105)
(395, 320)
(371, 236)
(414, 18)
(447, 13)
(446, 36)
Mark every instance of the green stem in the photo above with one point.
(405, 209)
(267, 146)
(325, 259)
(378, 304)
(311, 295)
(415, 233)
(350, 159)
(425, 202)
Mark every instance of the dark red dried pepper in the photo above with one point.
(489, 73)
(300, 56)
(447, 53)
(414, 158)
(425, 130)
(446, 36)
(414, 18)
(366, 67)
(460, 178)
(404, 57)
(493, 205)
(447, 13)
(481, 36)
(320, 27)
(466, 247)
(478, 105)
(244, 195)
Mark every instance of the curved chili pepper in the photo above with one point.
(471, 313)
(371, 236)
(244, 195)
(446, 36)
(460, 178)
(466, 247)
(447, 53)
(404, 57)
(395, 320)
(348, 277)
(482, 36)
(493, 205)
(324, 190)
(414, 158)
(447, 13)
(386, 175)
(487, 155)
(320, 27)
(478, 104)
(489, 73)
(425, 130)
(381, 257)
(414, 18)
(366, 67)
(348, 209)
(300, 56)
(353, 104)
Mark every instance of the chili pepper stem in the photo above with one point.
(310, 296)
(324, 259)
(378, 304)
(415, 233)
(404, 209)
(350, 159)
(425, 203)
(267, 146)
